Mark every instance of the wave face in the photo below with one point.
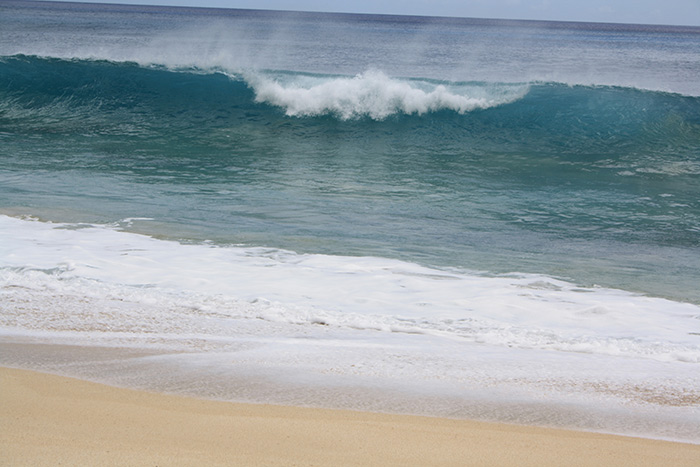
(81, 86)
(101, 91)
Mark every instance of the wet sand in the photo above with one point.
(52, 420)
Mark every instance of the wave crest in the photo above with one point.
(375, 95)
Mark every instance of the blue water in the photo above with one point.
(579, 157)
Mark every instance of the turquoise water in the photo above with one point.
(595, 184)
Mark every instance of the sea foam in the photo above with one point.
(374, 94)
(362, 293)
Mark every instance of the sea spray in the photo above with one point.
(373, 94)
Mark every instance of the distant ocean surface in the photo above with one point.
(457, 217)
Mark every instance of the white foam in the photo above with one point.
(364, 293)
(375, 95)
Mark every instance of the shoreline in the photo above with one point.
(196, 375)
(48, 419)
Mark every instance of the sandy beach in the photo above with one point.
(52, 420)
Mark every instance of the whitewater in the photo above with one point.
(441, 216)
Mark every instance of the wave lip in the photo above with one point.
(373, 94)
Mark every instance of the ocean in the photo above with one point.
(466, 218)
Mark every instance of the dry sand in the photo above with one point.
(53, 420)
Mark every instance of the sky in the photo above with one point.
(672, 12)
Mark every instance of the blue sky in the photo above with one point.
(678, 12)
